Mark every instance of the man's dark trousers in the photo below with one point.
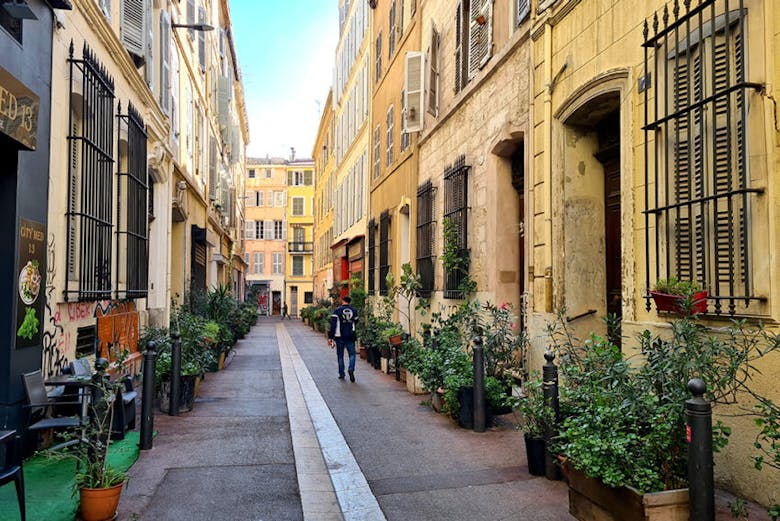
(350, 346)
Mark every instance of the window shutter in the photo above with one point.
(165, 62)
(433, 75)
(523, 8)
(308, 178)
(250, 230)
(212, 168)
(134, 26)
(191, 17)
(458, 48)
(174, 98)
(202, 39)
(149, 49)
(269, 230)
(391, 33)
(480, 36)
(378, 57)
(413, 92)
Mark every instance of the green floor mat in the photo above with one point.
(48, 484)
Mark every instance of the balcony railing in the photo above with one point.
(300, 247)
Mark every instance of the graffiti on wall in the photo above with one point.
(116, 324)
(117, 328)
(54, 359)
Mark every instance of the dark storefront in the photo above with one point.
(25, 101)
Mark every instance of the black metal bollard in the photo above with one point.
(479, 386)
(550, 390)
(173, 407)
(147, 400)
(701, 486)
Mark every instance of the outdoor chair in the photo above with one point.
(12, 467)
(124, 409)
(40, 407)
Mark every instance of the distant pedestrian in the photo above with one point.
(284, 312)
(342, 335)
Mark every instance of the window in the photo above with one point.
(455, 206)
(425, 266)
(473, 41)
(308, 177)
(371, 256)
(297, 266)
(91, 160)
(391, 32)
(268, 173)
(523, 8)
(133, 227)
(279, 199)
(377, 147)
(378, 57)
(308, 297)
(705, 199)
(461, 45)
(251, 199)
(384, 251)
(404, 144)
(390, 130)
(260, 198)
(252, 173)
(433, 74)
(278, 230)
(259, 264)
(250, 232)
(298, 206)
(277, 263)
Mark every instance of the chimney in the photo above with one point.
(292, 153)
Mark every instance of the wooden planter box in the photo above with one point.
(591, 500)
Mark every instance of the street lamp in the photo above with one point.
(195, 27)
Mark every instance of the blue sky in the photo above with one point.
(286, 49)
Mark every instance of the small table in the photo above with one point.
(82, 382)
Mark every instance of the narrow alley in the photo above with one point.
(363, 451)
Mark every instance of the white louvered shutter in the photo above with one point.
(202, 39)
(523, 8)
(134, 26)
(149, 49)
(165, 62)
(414, 79)
(250, 230)
(480, 36)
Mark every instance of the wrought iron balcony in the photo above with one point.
(300, 247)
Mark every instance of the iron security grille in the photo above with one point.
(91, 159)
(425, 267)
(384, 253)
(133, 238)
(455, 210)
(696, 148)
(371, 256)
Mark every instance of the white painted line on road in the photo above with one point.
(354, 495)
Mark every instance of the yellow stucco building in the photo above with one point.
(397, 104)
(323, 203)
(299, 278)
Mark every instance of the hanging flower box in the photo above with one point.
(675, 303)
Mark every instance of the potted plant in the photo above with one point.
(622, 426)
(679, 296)
(536, 418)
(99, 485)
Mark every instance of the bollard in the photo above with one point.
(550, 389)
(173, 407)
(147, 400)
(701, 487)
(479, 386)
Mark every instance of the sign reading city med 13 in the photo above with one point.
(18, 111)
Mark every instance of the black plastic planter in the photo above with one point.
(466, 409)
(534, 451)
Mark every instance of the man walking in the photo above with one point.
(342, 335)
(284, 312)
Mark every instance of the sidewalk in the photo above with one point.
(276, 436)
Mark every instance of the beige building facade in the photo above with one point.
(637, 179)
(265, 238)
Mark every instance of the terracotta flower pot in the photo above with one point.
(673, 303)
(395, 340)
(99, 504)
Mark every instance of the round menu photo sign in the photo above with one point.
(29, 282)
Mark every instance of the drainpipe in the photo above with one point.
(547, 166)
